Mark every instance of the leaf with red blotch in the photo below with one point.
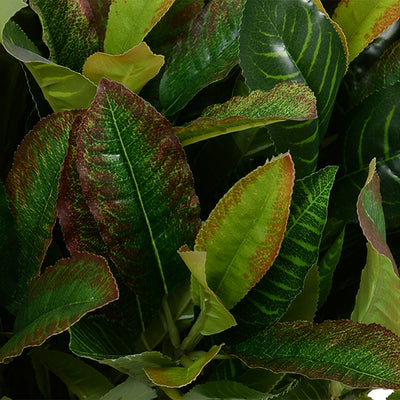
(139, 188)
(58, 298)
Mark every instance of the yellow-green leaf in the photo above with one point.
(7, 9)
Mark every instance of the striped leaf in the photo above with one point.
(32, 191)
(270, 299)
(372, 131)
(357, 355)
(205, 55)
(286, 40)
(286, 101)
(243, 234)
(362, 22)
(59, 298)
(63, 88)
(129, 21)
(138, 186)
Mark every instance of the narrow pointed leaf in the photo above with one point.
(138, 186)
(270, 53)
(363, 22)
(59, 298)
(206, 55)
(32, 190)
(357, 355)
(69, 30)
(133, 69)
(63, 88)
(129, 21)
(7, 9)
(175, 377)
(129, 388)
(286, 101)
(270, 299)
(243, 234)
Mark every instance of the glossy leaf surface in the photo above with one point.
(357, 355)
(32, 191)
(133, 69)
(285, 101)
(130, 21)
(175, 377)
(270, 299)
(59, 298)
(138, 186)
(125, 390)
(363, 22)
(205, 55)
(243, 234)
(288, 41)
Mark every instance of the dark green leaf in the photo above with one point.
(206, 55)
(138, 186)
(131, 389)
(306, 389)
(59, 298)
(271, 297)
(357, 355)
(285, 40)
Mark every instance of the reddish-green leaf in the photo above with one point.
(59, 298)
(32, 190)
(357, 355)
(139, 188)
(286, 101)
(243, 234)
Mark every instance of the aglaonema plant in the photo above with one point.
(239, 114)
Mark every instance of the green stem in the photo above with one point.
(172, 329)
(194, 336)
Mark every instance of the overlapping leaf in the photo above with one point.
(291, 40)
(59, 298)
(204, 56)
(288, 100)
(69, 31)
(125, 390)
(138, 187)
(129, 21)
(7, 10)
(270, 299)
(243, 234)
(357, 355)
(32, 191)
(363, 22)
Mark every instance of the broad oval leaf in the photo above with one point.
(133, 69)
(59, 298)
(32, 191)
(285, 40)
(361, 356)
(243, 234)
(286, 101)
(129, 21)
(138, 186)
(206, 55)
(362, 22)
(270, 298)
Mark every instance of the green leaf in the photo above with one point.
(283, 40)
(80, 378)
(305, 389)
(7, 9)
(32, 192)
(130, 390)
(214, 317)
(9, 250)
(357, 355)
(270, 299)
(129, 21)
(175, 377)
(372, 131)
(243, 234)
(205, 55)
(138, 186)
(363, 22)
(288, 100)
(69, 30)
(59, 298)
(63, 88)
(133, 69)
